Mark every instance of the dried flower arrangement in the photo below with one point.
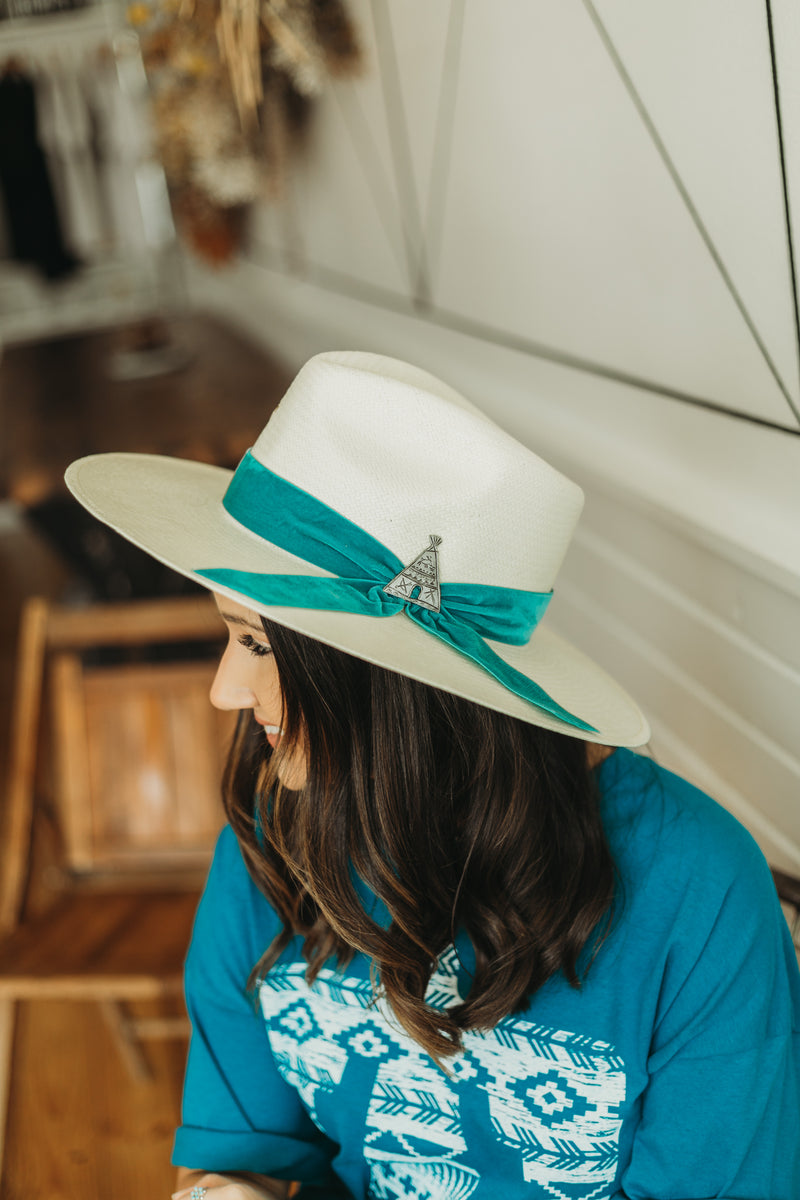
(232, 83)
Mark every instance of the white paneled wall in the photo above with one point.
(589, 165)
(709, 649)
(575, 211)
(786, 22)
(703, 75)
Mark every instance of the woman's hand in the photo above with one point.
(230, 1187)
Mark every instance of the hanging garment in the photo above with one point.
(123, 146)
(65, 135)
(34, 228)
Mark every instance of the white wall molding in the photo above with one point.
(694, 731)
(659, 588)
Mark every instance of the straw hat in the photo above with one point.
(382, 513)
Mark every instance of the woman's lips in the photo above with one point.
(273, 732)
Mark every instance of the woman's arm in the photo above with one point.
(240, 1119)
(239, 1186)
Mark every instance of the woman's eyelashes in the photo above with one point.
(257, 648)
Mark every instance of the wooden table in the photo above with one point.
(59, 400)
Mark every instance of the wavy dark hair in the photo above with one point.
(456, 816)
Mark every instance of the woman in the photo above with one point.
(458, 940)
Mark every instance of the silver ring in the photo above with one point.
(197, 1193)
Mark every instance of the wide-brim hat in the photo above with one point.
(382, 513)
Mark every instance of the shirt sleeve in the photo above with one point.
(721, 1113)
(238, 1112)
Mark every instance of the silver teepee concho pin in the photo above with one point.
(419, 581)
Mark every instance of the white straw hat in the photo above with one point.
(382, 513)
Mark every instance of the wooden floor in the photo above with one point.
(78, 1127)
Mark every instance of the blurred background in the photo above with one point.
(584, 214)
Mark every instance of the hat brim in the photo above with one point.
(172, 508)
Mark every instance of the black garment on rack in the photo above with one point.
(33, 225)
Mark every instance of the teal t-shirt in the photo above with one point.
(672, 1074)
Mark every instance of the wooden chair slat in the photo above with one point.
(137, 623)
(139, 935)
(24, 742)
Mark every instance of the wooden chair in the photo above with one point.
(112, 808)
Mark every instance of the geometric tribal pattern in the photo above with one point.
(521, 1102)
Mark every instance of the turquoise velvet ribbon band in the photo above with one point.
(297, 522)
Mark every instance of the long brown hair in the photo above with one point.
(456, 817)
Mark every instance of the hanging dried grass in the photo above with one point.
(231, 83)
(237, 30)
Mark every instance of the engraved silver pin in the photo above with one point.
(418, 583)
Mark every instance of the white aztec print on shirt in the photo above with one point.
(550, 1098)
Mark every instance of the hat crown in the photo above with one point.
(404, 456)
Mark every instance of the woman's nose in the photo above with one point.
(230, 689)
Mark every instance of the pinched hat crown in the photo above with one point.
(402, 456)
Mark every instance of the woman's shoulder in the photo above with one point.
(659, 822)
(696, 899)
